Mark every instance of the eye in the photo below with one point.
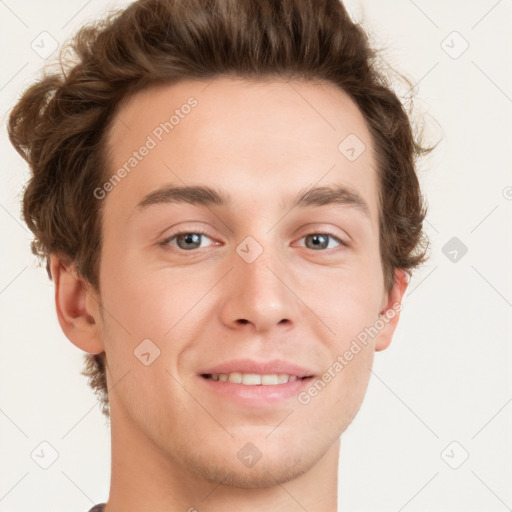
(190, 240)
(186, 240)
(319, 241)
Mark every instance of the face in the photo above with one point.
(239, 278)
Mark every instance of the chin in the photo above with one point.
(269, 471)
(263, 459)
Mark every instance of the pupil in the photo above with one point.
(317, 240)
(192, 238)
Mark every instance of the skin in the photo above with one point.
(174, 442)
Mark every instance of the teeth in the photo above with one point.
(253, 379)
(235, 377)
(270, 379)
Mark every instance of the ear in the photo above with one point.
(77, 305)
(390, 310)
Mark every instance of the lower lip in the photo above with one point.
(257, 395)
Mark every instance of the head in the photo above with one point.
(258, 103)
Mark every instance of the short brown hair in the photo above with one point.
(60, 123)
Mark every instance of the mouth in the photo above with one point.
(252, 390)
(255, 383)
(254, 379)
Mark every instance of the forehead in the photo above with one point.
(263, 139)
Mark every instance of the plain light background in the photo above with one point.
(434, 431)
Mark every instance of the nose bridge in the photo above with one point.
(258, 293)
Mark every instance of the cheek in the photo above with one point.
(143, 336)
(355, 378)
(353, 310)
(350, 306)
(147, 304)
(334, 398)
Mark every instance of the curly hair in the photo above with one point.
(60, 123)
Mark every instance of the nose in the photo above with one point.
(258, 294)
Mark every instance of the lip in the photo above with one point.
(258, 395)
(261, 367)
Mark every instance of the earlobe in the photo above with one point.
(78, 319)
(390, 313)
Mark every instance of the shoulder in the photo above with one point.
(98, 508)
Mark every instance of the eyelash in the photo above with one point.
(165, 243)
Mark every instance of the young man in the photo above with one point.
(226, 196)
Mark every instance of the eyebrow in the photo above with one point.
(203, 195)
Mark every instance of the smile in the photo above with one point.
(253, 379)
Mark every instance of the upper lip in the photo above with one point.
(275, 366)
